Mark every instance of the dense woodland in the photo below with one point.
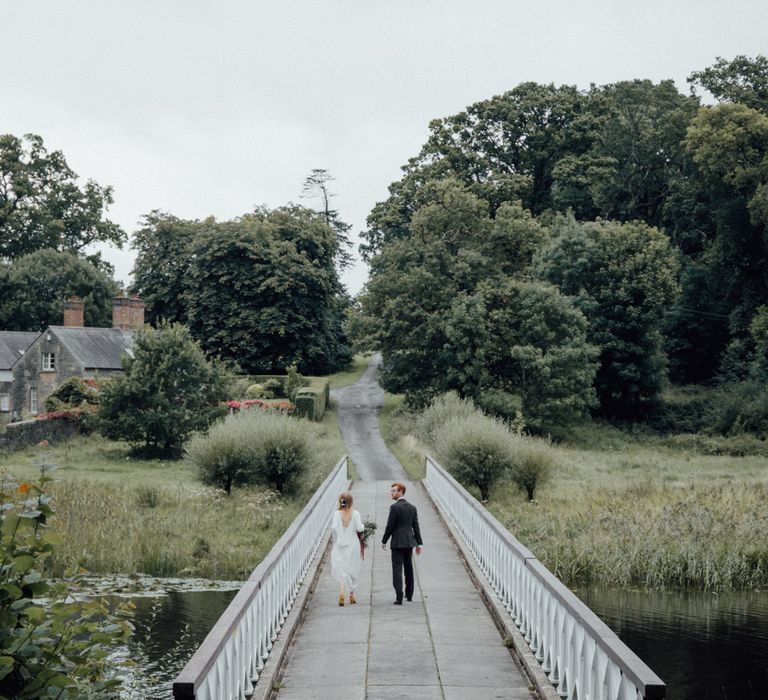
(570, 251)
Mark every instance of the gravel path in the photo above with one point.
(359, 405)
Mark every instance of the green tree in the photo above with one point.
(266, 292)
(35, 286)
(318, 186)
(624, 278)
(502, 149)
(448, 316)
(43, 206)
(161, 274)
(538, 350)
(168, 391)
(743, 80)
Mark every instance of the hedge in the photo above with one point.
(311, 401)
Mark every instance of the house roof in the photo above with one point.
(96, 348)
(13, 344)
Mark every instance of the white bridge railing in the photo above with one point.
(228, 662)
(580, 654)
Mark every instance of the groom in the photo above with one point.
(403, 528)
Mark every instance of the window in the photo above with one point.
(33, 400)
(49, 362)
(5, 403)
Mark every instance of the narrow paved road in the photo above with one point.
(441, 646)
(359, 406)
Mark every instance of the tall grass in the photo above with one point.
(121, 515)
(632, 507)
(711, 538)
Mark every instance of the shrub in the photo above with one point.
(76, 392)
(168, 391)
(254, 391)
(476, 449)
(736, 409)
(272, 389)
(443, 408)
(533, 463)
(252, 447)
(504, 405)
(293, 382)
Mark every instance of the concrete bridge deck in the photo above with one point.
(442, 645)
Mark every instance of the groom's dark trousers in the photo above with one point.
(402, 562)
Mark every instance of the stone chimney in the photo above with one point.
(127, 313)
(74, 312)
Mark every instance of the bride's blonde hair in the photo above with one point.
(345, 501)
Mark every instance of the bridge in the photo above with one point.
(487, 619)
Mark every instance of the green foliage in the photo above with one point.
(758, 329)
(43, 207)
(623, 277)
(503, 405)
(539, 351)
(53, 644)
(739, 408)
(273, 388)
(261, 290)
(311, 402)
(35, 285)
(75, 392)
(293, 382)
(477, 450)
(252, 447)
(743, 80)
(255, 391)
(168, 391)
(533, 463)
(442, 409)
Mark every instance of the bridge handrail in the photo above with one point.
(580, 654)
(228, 662)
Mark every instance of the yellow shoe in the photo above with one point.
(352, 600)
(341, 600)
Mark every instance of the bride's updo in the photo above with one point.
(345, 501)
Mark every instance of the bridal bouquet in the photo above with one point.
(369, 527)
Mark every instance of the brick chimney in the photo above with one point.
(74, 312)
(127, 313)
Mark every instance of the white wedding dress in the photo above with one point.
(345, 555)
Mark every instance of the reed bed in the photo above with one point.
(708, 538)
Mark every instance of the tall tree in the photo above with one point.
(43, 206)
(35, 285)
(263, 291)
(743, 80)
(624, 278)
(161, 274)
(317, 186)
(502, 149)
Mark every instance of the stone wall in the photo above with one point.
(26, 433)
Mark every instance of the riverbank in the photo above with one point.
(626, 508)
(121, 515)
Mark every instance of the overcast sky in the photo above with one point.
(209, 108)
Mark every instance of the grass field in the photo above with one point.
(119, 514)
(630, 508)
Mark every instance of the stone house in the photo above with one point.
(72, 350)
(13, 344)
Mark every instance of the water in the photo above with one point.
(169, 628)
(703, 645)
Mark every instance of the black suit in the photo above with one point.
(403, 528)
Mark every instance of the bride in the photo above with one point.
(347, 551)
